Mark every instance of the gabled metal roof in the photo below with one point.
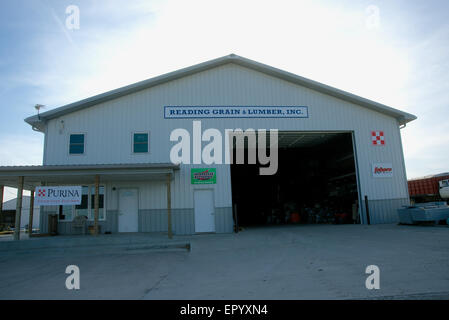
(39, 122)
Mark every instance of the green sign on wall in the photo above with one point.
(203, 176)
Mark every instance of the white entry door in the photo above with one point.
(128, 206)
(204, 211)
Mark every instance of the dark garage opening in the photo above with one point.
(315, 183)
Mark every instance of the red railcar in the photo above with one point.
(427, 188)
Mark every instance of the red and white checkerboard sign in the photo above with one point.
(378, 138)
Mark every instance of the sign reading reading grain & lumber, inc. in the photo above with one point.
(203, 176)
(198, 112)
(59, 195)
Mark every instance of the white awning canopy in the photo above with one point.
(79, 174)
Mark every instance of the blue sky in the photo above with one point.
(401, 60)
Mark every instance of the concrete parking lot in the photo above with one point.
(285, 262)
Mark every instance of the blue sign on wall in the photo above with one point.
(198, 112)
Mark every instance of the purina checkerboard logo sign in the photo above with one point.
(378, 138)
(54, 196)
(382, 170)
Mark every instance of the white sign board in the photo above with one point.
(199, 112)
(382, 170)
(55, 196)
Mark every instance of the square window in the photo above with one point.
(140, 143)
(76, 144)
(65, 213)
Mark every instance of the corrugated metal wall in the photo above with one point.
(153, 220)
(109, 127)
(382, 211)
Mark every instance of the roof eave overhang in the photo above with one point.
(33, 175)
(39, 122)
(402, 117)
(36, 123)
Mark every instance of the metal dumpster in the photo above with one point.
(423, 212)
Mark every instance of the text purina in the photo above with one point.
(63, 193)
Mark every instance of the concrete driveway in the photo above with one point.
(289, 262)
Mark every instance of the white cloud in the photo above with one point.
(18, 150)
(325, 42)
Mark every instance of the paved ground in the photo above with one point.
(291, 262)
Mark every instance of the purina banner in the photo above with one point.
(382, 170)
(59, 195)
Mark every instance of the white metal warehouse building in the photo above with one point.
(340, 149)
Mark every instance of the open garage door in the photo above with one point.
(316, 183)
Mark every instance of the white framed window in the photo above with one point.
(87, 206)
